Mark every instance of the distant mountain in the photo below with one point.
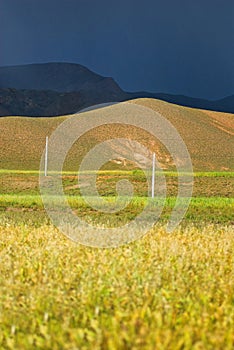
(52, 89)
(47, 103)
(60, 77)
(223, 105)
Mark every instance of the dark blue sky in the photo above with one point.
(173, 46)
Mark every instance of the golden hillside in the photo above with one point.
(209, 137)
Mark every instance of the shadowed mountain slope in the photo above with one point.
(60, 77)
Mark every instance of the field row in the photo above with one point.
(30, 208)
(205, 184)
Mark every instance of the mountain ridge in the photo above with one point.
(57, 88)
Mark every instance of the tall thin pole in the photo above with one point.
(153, 175)
(46, 156)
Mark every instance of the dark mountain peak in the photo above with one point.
(56, 76)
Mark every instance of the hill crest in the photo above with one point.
(207, 135)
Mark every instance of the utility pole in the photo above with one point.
(46, 156)
(153, 175)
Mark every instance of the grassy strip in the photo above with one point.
(18, 208)
(125, 172)
(29, 201)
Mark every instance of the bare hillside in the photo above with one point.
(209, 137)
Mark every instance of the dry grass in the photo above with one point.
(166, 291)
(208, 135)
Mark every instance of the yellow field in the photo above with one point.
(166, 291)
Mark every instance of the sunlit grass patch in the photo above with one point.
(167, 291)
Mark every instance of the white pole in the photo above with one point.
(153, 175)
(46, 156)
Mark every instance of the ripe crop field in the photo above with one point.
(164, 291)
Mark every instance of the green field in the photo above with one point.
(164, 291)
